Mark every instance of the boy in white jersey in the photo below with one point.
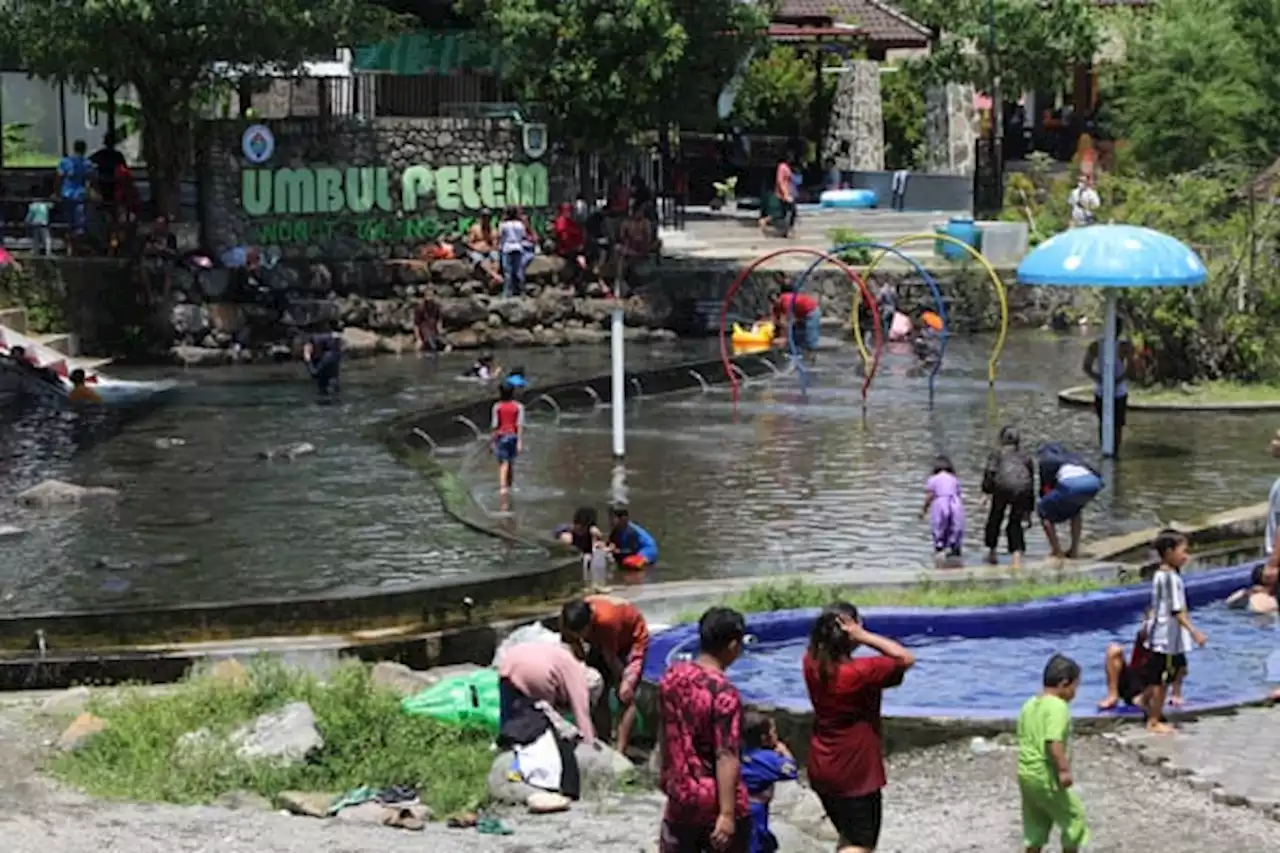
(1171, 632)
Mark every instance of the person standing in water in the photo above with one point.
(323, 357)
(945, 510)
(1010, 480)
(1093, 368)
(508, 434)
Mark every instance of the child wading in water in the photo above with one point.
(1010, 480)
(1171, 632)
(945, 510)
(508, 434)
(1044, 765)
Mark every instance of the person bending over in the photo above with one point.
(612, 636)
(632, 546)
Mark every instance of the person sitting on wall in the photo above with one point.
(570, 242)
(481, 241)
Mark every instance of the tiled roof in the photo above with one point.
(881, 20)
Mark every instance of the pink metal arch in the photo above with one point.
(876, 326)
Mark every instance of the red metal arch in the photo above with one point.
(868, 298)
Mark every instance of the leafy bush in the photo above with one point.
(843, 236)
(368, 740)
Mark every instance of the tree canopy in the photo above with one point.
(604, 70)
(1036, 40)
(1197, 87)
(776, 93)
(179, 54)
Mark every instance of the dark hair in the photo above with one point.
(942, 462)
(516, 371)
(506, 391)
(720, 628)
(1010, 437)
(508, 212)
(77, 376)
(80, 147)
(575, 616)
(1167, 540)
(585, 516)
(755, 728)
(485, 358)
(619, 511)
(1061, 670)
(829, 643)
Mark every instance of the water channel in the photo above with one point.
(778, 484)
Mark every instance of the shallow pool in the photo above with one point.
(991, 677)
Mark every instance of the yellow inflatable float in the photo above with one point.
(760, 335)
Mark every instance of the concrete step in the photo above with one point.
(60, 342)
(14, 318)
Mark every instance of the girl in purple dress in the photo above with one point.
(945, 509)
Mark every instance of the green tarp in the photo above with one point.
(465, 700)
(428, 52)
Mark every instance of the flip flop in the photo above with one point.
(492, 826)
(463, 820)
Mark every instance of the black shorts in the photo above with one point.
(1133, 680)
(679, 838)
(857, 819)
(1122, 408)
(1162, 668)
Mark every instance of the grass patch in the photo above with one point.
(368, 741)
(1206, 393)
(798, 594)
(30, 160)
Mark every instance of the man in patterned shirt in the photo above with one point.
(707, 808)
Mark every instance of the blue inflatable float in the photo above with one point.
(849, 199)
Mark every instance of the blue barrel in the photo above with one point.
(962, 229)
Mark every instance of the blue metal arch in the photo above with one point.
(799, 284)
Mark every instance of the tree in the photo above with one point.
(903, 109)
(179, 56)
(605, 70)
(776, 93)
(1197, 87)
(1036, 41)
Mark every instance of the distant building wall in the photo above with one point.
(25, 100)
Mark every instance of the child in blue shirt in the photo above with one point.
(765, 762)
(632, 546)
(516, 378)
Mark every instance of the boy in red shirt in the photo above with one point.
(797, 314)
(508, 434)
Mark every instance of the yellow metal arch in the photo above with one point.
(975, 255)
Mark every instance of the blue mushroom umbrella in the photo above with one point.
(1111, 257)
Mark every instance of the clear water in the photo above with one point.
(782, 484)
(990, 677)
(209, 521)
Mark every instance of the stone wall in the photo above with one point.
(342, 189)
(855, 132)
(951, 128)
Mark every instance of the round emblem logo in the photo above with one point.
(257, 143)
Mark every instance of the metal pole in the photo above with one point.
(62, 116)
(997, 114)
(1108, 370)
(619, 386)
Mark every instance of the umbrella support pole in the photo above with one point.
(1108, 370)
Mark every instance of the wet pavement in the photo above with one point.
(781, 484)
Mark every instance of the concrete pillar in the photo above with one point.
(855, 132)
(951, 128)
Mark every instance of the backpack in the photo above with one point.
(1010, 473)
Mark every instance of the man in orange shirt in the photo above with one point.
(618, 637)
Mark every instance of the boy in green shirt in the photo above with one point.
(1044, 769)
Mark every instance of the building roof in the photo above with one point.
(792, 33)
(881, 21)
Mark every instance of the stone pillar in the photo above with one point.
(855, 132)
(951, 127)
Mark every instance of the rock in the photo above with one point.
(397, 344)
(307, 803)
(82, 730)
(202, 356)
(442, 673)
(168, 443)
(464, 339)
(288, 452)
(793, 840)
(547, 802)
(504, 789)
(662, 335)
(288, 735)
(585, 336)
(399, 679)
(230, 672)
(549, 337)
(451, 271)
(601, 766)
(67, 703)
(243, 801)
(518, 312)
(593, 311)
(512, 337)
(54, 493)
(554, 306)
(359, 343)
(8, 531)
(460, 312)
(227, 317)
(188, 320)
(545, 268)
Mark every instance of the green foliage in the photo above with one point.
(13, 137)
(37, 287)
(798, 594)
(177, 54)
(1198, 87)
(727, 189)
(776, 93)
(607, 70)
(902, 97)
(844, 236)
(368, 741)
(1036, 42)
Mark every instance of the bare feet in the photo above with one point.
(1275, 696)
(1156, 727)
(1108, 703)
(1175, 702)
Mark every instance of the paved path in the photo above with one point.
(1236, 759)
